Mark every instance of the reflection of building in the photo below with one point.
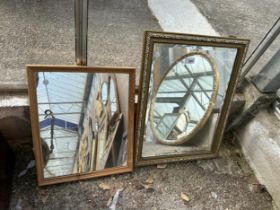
(89, 121)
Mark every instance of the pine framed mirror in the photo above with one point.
(82, 121)
(186, 87)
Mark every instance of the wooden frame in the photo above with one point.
(150, 39)
(31, 72)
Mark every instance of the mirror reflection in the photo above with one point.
(113, 96)
(104, 93)
(185, 96)
(183, 99)
(83, 127)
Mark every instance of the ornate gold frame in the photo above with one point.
(152, 37)
(31, 71)
(207, 114)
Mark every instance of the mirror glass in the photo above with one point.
(113, 97)
(182, 101)
(185, 95)
(104, 93)
(78, 134)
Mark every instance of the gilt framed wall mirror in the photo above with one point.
(82, 121)
(186, 86)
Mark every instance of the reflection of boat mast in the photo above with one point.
(49, 114)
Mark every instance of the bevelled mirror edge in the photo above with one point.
(150, 39)
(240, 58)
(128, 72)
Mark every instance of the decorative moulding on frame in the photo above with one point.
(186, 87)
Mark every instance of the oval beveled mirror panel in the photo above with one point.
(184, 99)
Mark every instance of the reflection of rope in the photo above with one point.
(49, 114)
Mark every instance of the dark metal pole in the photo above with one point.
(268, 79)
(261, 48)
(81, 31)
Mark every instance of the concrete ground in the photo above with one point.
(259, 138)
(42, 32)
(224, 183)
(115, 32)
(115, 38)
(39, 32)
(245, 19)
